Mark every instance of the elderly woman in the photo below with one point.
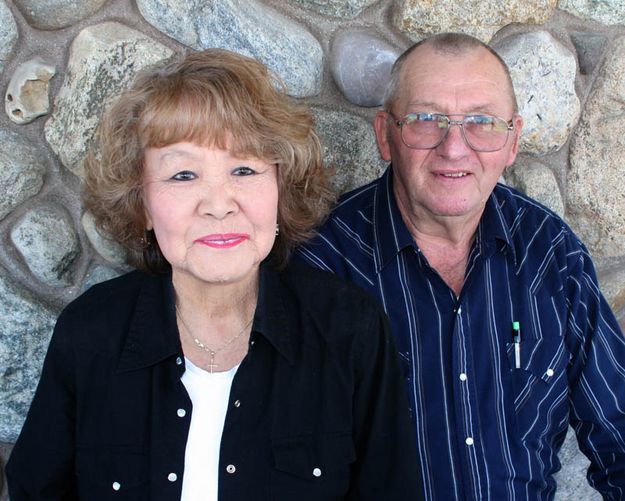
(217, 371)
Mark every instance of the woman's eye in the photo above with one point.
(185, 175)
(243, 171)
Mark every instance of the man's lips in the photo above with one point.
(222, 240)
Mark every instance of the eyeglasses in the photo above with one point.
(425, 131)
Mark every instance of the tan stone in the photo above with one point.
(596, 192)
(420, 18)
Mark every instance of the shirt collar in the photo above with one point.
(392, 235)
(153, 331)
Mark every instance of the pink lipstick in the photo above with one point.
(222, 240)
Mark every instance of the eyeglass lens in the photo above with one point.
(428, 130)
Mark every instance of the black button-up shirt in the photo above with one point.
(317, 409)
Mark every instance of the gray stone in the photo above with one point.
(537, 181)
(27, 97)
(48, 243)
(55, 14)
(106, 247)
(99, 273)
(589, 48)
(8, 33)
(347, 9)
(103, 60)
(418, 18)
(596, 192)
(247, 27)
(349, 147)
(361, 66)
(612, 282)
(25, 331)
(22, 170)
(603, 11)
(543, 72)
(571, 479)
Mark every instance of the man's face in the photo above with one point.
(450, 180)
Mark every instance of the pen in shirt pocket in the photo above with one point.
(516, 337)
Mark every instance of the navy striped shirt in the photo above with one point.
(485, 428)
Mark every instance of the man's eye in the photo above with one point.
(185, 175)
(243, 171)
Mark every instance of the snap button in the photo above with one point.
(469, 441)
(550, 372)
(178, 361)
(237, 403)
(181, 413)
(116, 486)
(316, 472)
(231, 468)
(463, 376)
(172, 477)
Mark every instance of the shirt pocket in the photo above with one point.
(115, 473)
(542, 363)
(312, 467)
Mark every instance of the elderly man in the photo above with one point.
(504, 336)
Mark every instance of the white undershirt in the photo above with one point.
(209, 395)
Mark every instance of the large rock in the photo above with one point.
(612, 281)
(105, 246)
(347, 9)
(8, 33)
(604, 11)
(55, 14)
(46, 239)
(596, 192)
(103, 60)
(247, 27)
(361, 66)
(27, 94)
(537, 181)
(543, 72)
(349, 147)
(25, 331)
(418, 18)
(22, 170)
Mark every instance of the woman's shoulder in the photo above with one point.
(320, 290)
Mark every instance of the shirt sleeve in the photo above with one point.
(596, 379)
(387, 467)
(41, 465)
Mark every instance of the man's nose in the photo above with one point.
(454, 144)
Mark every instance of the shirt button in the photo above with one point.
(463, 376)
(231, 468)
(116, 486)
(550, 372)
(181, 413)
(469, 441)
(172, 477)
(316, 472)
(459, 310)
(237, 403)
(178, 361)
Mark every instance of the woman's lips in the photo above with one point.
(222, 240)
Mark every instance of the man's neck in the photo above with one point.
(445, 242)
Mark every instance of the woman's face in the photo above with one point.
(214, 215)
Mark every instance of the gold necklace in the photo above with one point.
(212, 352)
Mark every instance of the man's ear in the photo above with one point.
(381, 125)
(518, 128)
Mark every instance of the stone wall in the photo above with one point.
(62, 61)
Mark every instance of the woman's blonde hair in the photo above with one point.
(215, 98)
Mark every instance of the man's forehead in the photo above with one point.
(473, 73)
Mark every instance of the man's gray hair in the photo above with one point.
(443, 43)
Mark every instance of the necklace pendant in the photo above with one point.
(212, 365)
